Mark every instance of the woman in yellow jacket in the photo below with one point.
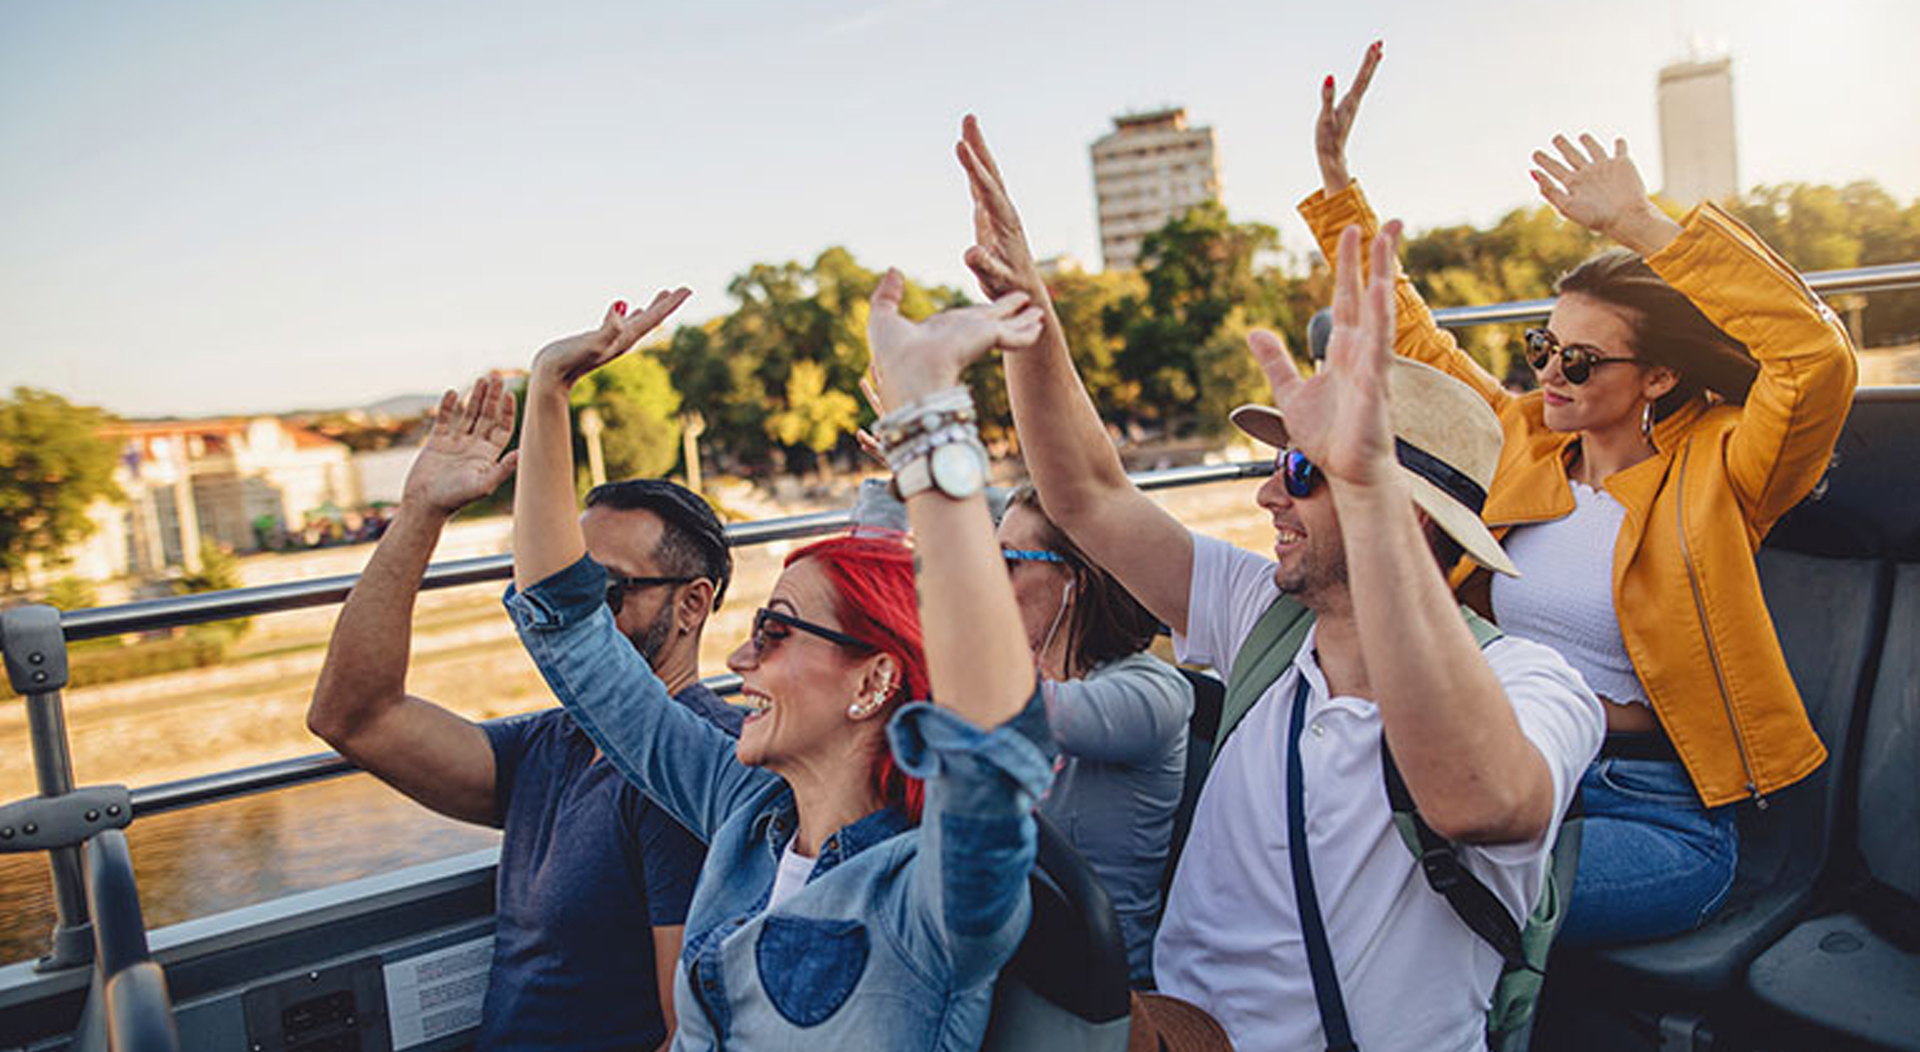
(1691, 390)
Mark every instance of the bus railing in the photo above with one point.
(33, 641)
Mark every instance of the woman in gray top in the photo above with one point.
(1118, 714)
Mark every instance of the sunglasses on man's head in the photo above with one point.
(618, 587)
(772, 626)
(1296, 472)
(1577, 362)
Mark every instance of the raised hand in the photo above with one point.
(999, 258)
(1602, 192)
(913, 360)
(565, 361)
(461, 461)
(1330, 131)
(1338, 417)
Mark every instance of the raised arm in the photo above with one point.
(1453, 733)
(1339, 204)
(360, 702)
(680, 760)
(977, 656)
(1081, 482)
(1799, 401)
(546, 523)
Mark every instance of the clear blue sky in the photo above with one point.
(238, 207)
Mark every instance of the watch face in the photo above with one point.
(958, 470)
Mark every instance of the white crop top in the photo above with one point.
(1564, 594)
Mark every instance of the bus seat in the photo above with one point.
(1066, 986)
(1857, 972)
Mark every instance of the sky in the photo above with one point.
(241, 207)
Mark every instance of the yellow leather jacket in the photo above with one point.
(1698, 632)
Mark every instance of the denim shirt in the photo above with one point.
(899, 933)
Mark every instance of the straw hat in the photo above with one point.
(1448, 442)
(1167, 1024)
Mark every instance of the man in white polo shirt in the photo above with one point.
(1375, 486)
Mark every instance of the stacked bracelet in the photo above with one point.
(934, 442)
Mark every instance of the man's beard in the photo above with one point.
(653, 639)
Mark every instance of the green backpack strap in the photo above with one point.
(1262, 657)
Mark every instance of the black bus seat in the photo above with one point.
(1827, 571)
(1856, 972)
(1066, 987)
(1209, 695)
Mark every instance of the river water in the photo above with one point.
(237, 853)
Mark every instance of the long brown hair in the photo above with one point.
(1107, 622)
(1668, 330)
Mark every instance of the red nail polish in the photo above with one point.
(620, 307)
(1376, 47)
(1329, 83)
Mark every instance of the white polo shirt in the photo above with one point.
(1414, 977)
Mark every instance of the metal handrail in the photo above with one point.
(1854, 280)
(176, 611)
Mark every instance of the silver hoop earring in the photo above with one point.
(1646, 423)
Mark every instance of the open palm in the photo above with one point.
(461, 460)
(568, 359)
(1338, 417)
(912, 360)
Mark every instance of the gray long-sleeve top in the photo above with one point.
(1122, 735)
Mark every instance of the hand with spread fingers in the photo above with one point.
(1603, 192)
(1338, 417)
(1335, 123)
(912, 360)
(461, 461)
(565, 361)
(999, 258)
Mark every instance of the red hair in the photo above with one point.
(877, 603)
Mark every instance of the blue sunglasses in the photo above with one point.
(1029, 555)
(1296, 472)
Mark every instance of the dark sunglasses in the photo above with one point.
(772, 626)
(618, 587)
(1296, 472)
(1577, 362)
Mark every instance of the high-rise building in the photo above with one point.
(1696, 131)
(1148, 170)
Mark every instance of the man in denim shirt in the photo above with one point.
(589, 868)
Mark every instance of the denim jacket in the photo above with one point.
(899, 933)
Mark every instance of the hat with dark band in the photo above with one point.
(1447, 441)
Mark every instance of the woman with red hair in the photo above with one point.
(866, 875)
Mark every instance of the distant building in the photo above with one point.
(1054, 266)
(1151, 168)
(1696, 131)
(186, 480)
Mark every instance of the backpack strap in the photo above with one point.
(1262, 657)
(1477, 906)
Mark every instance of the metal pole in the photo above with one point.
(36, 659)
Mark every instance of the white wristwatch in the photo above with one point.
(956, 469)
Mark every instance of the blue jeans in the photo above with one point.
(1653, 861)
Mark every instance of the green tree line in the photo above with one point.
(775, 379)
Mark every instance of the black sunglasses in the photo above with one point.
(618, 587)
(1577, 362)
(772, 626)
(1296, 472)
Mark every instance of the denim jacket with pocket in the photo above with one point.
(899, 933)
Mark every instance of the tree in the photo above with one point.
(53, 466)
(640, 410)
(1204, 289)
(1833, 227)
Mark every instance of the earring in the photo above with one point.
(1646, 423)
